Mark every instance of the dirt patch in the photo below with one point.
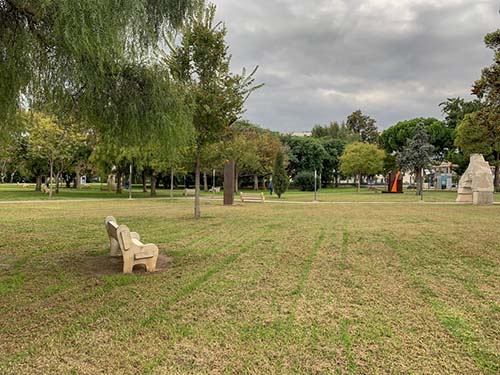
(102, 265)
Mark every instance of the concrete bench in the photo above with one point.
(252, 198)
(189, 192)
(128, 244)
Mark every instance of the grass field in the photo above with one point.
(403, 288)
(13, 192)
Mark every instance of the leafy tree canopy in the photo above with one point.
(335, 131)
(416, 154)
(93, 59)
(394, 139)
(455, 109)
(362, 159)
(305, 154)
(364, 126)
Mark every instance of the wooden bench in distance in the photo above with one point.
(189, 192)
(127, 244)
(252, 198)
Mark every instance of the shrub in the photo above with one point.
(305, 181)
(280, 177)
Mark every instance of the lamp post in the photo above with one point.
(213, 184)
(315, 179)
(130, 183)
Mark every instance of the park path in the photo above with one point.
(35, 201)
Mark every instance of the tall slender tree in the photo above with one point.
(364, 126)
(416, 155)
(280, 177)
(201, 62)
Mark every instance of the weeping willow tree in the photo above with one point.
(94, 60)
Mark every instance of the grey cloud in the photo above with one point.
(321, 60)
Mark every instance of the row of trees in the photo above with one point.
(100, 66)
(68, 104)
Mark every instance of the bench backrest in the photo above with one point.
(111, 227)
(124, 237)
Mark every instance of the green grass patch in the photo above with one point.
(338, 288)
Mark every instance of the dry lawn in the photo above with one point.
(405, 288)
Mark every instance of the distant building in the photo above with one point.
(301, 134)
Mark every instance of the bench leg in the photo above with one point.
(151, 264)
(127, 266)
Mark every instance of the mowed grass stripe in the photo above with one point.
(249, 323)
(486, 358)
(368, 316)
(306, 270)
(82, 324)
(157, 315)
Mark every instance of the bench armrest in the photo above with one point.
(135, 235)
(150, 247)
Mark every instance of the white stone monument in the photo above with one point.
(476, 184)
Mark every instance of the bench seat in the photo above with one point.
(252, 197)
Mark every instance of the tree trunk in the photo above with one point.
(38, 186)
(359, 182)
(51, 176)
(171, 183)
(336, 180)
(119, 182)
(205, 182)
(496, 181)
(58, 175)
(4, 171)
(197, 213)
(421, 184)
(264, 187)
(144, 185)
(255, 182)
(418, 181)
(153, 184)
(236, 180)
(12, 176)
(78, 179)
(68, 183)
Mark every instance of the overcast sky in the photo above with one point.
(320, 60)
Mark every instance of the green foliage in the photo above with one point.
(390, 163)
(202, 63)
(51, 139)
(362, 159)
(364, 126)
(474, 136)
(304, 180)
(394, 138)
(280, 177)
(335, 131)
(331, 163)
(486, 121)
(479, 133)
(305, 154)
(455, 110)
(92, 59)
(417, 153)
